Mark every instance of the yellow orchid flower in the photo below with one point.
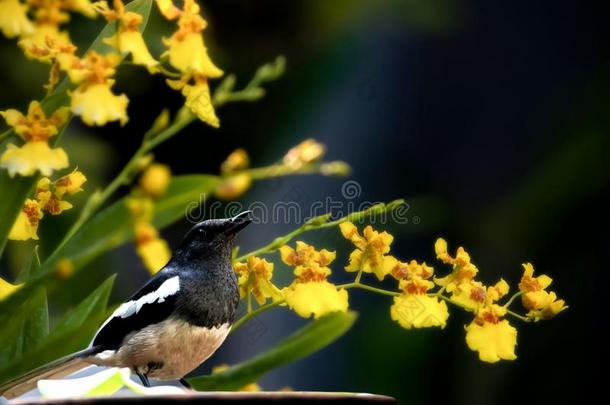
(463, 269)
(35, 128)
(541, 304)
(187, 51)
(93, 99)
(371, 253)
(310, 293)
(128, 38)
(492, 337)
(414, 308)
(255, 278)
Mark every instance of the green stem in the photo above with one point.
(168, 73)
(513, 298)
(310, 226)
(518, 316)
(369, 288)
(241, 321)
(5, 135)
(358, 277)
(449, 300)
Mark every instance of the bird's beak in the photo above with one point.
(239, 222)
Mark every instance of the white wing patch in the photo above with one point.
(169, 287)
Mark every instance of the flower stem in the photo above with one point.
(241, 321)
(513, 298)
(5, 135)
(369, 288)
(319, 223)
(518, 316)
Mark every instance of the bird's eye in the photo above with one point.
(201, 233)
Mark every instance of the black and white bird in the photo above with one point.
(173, 323)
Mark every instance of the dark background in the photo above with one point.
(490, 118)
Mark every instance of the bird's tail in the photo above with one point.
(56, 369)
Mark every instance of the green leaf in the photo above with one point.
(72, 333)
(309, 339)
(26, 328)
(113, 227)
(29, 323)
(36, 327)
(15, 190)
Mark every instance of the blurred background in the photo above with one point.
(491, 119)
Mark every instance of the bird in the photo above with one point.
(175, 322)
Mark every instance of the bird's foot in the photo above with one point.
(186, 384)
(144, 379)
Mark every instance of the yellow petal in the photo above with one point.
(355, 261)
(264, 289)
(199, 101)
(190, 55)
(69, 184)
(528, 269)
(141, 208)
(494, 342)
(155, 254)
(12, 116)
(26, 224)
(132, 42)
(84, 7)
(13, 19)
(6, 288)
(419, 311)
(306, 152)
(288, 255)
(237, 160)
(544, 280)
(155, 179)
(315, 298)
(97, 105)
(39, 37)
(167, 9)
(32, 157)
(470, 294)
(233, 187)
(348, 229)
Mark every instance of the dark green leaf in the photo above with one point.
(15, 190)
(311, 338)
(36, 327)
(73, 333)
(28, 325)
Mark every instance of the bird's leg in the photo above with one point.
(144, 379)
(185, 384)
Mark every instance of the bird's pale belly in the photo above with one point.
(167, 350)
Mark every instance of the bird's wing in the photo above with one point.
(152, 304)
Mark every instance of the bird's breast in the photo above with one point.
(169, 349)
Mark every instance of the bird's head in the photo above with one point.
(213, 237)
